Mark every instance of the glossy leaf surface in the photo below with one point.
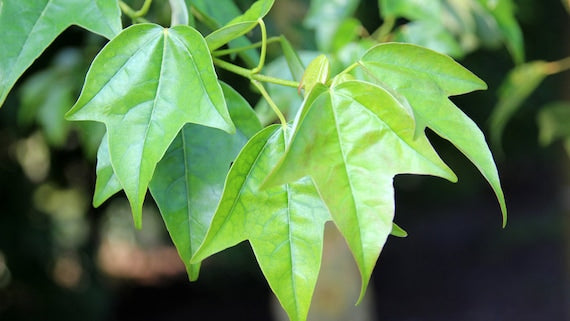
(352, 140)
(284, 224)
(133, 86)
(189, 180)
(28, 27)
(426, 79)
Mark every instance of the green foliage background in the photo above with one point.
(34, 240)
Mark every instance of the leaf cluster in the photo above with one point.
(348, 122)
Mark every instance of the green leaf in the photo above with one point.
(189, 180)
(504, 13)
(90, 135)
(293, 60)
(411, 9)
(284, 224)
(107, 183)
(398, 231)
(431, 35)
(215, 13)
(288, 99)
(518, 85)
(28, 27)
(240, 25)
(45, 98)
(317, 72)
(352, 140)
(426, 79)
(326, 17)
(134, 87)
(554, 122)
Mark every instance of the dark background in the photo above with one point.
(456, 264)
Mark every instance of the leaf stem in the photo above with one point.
(207, 21)
(349, 68)
(135, 14)
(219, 53)
(249, 75)
(263, 47)
(381, 34)
(558, 66)
(271, 103)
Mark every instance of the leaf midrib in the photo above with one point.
(395, 133)
(344, 159)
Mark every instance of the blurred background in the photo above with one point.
(62, 259)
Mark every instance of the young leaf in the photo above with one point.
(317, 72)
(189, 180)
(426, 79)
(134, 87)
(284, 224)
(216, 14)
(28, 27)
(352, 140)
(240, 25)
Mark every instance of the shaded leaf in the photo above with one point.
(293, 60)
(284, 224)
(430, 35)
(426, 79)
(45, 98)
(518, 85)
(189, 180)
(554, 122)
(216, 14)
(28, 27)
(352, 140)
(504, 13)
(325, 17)
(107, 184)
(288, 99)
(133, 86)
(411, 9)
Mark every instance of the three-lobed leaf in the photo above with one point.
(284, 224)
(28, 27)
(352, 139)
(426, 79)
(145, 85)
